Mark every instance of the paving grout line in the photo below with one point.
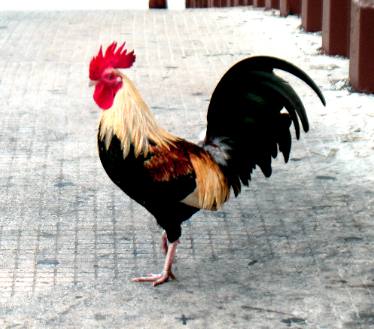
(114, 237)
(35, 266)
(16, 263)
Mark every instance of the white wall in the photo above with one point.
(83, 4)
(72, 4)
(176, 4)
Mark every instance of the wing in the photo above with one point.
(187, 173)
(250, 113)
(169, 172)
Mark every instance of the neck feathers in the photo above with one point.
(130, 120)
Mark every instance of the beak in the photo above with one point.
(92, 83)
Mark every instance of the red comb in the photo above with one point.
(115, 58)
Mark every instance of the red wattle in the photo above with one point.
(104, 94)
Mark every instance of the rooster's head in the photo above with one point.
(104, 74)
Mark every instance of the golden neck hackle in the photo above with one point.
(131, 121)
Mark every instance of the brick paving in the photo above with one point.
(293, 251)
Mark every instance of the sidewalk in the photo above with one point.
(293, 251)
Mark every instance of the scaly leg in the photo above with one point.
(164, 243)
(166, 274)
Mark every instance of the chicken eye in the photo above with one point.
(108, 76)
(111, 78)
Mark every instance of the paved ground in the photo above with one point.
(294, 251)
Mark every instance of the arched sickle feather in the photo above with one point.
(291, 100)
(267, 63)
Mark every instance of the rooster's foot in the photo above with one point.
(156, 278)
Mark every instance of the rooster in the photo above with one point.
(248, 122)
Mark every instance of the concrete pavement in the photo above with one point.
(293, 251)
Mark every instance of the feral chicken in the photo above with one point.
(248, 122)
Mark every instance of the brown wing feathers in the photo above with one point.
(164, 165)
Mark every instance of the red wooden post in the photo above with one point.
(287, 7)
(336, 27)
(311, 15)
(284, 7)
(295, 7)
(259, 3)
(272, 4)
(361, 64)
(157, 3)
(211, 3)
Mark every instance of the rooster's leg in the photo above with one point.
(166, 273)
(164, 243)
